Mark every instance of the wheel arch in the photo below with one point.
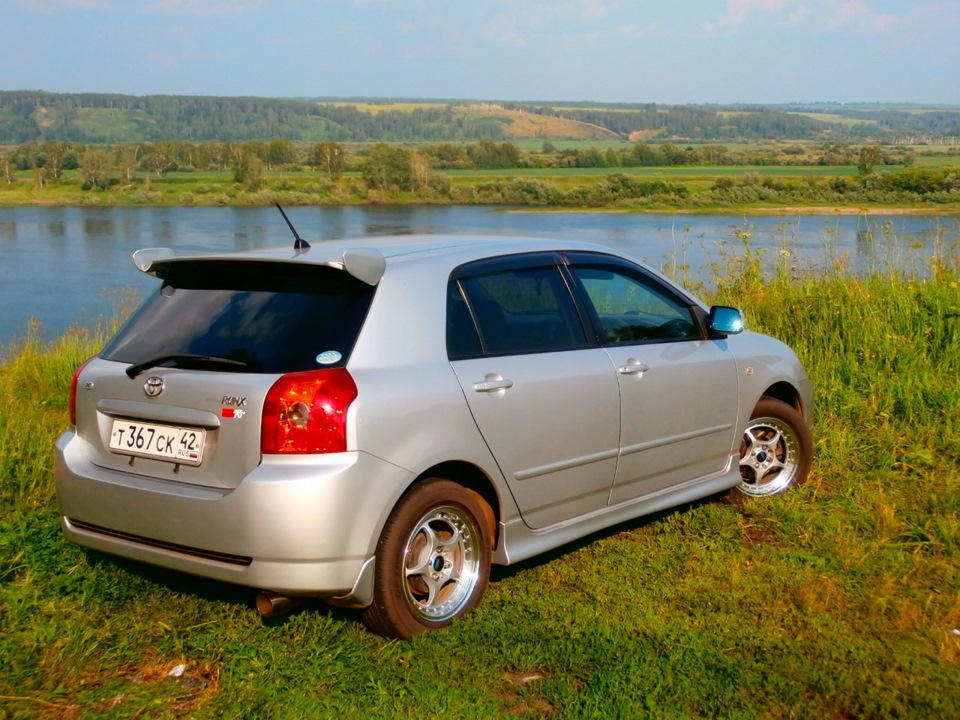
(787, 393)
(472, 478)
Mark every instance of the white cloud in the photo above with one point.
(508, 31)
(799, 15)
(593, 9)
(518, 25)
(739, 12)
(48, 6)
(854, 13)
(636, 31)
(825, 14)
(206, 7)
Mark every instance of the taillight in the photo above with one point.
(307, 412)
(73, 390)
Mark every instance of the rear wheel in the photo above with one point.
(776, 450)
(433, 560)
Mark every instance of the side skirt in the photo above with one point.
(518, 542)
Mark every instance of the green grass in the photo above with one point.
(784, 188)
(677, 174)
(938, 161)
(837, 119)
(840, 599)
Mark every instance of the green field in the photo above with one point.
(834, 118)
(930, 185)
(674, 173)
(840, 599)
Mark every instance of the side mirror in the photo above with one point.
(726, 320)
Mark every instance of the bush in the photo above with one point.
(147, 196)
(317, 188)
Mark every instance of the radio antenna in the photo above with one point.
(298, 242)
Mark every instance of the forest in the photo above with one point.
(96, 118)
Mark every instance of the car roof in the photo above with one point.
(366, 257)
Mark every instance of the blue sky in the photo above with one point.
(663, 51)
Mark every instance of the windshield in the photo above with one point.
(267, 317)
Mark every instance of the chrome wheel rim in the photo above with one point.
(441, 564)
(769, 453)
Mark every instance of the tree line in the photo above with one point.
(384, 165)
(35, 116)
(91, 118)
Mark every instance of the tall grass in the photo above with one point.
(883, 349)
(839, 599)
(34, 390)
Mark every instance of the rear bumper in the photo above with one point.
(296, 525)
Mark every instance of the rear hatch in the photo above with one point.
(179, 393)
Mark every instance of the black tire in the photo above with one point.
(776, 450)
(432, 560)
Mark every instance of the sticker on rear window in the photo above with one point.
(329, 357)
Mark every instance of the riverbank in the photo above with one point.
(626, 191)
(82, 201)
(946, 211)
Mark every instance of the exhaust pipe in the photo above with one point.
(271, 604)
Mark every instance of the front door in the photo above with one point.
(678, 389)
(546, 401)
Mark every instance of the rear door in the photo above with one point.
(545, 399)
(679, 389)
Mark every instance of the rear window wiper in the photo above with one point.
(188, 358)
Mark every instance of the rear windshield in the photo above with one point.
(268, 317)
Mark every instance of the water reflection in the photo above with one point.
(98, 226)
(67, 264)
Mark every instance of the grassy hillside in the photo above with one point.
(28, 116)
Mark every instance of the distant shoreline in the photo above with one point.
(779, 210)
(943, 209)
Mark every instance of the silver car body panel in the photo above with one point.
(677, 415)
(309, 525)
(549, 479)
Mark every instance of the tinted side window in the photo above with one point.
(272, 317)
(462, 338)
(517, 310)
(631, 307)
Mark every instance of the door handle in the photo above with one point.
(491, 385)
(492, 382)
(633, 367)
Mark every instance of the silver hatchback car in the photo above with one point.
(375, 421)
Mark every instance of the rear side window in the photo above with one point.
(516, 310)
(269, 317)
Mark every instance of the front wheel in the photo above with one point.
(776, 450)
(433, 560)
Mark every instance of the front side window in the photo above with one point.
(510, 311)
(632, 307)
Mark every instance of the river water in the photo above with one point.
(62, 265)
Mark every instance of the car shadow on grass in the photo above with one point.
(502, 572)
(214, 591)
(237, 596)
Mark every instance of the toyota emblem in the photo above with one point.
(153, 387)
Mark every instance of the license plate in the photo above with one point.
(161, 442)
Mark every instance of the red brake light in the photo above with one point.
(73, 390)
(307, 412)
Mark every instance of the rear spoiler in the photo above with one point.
(365, 264)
